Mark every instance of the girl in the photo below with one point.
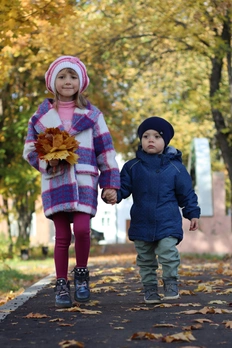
(69, 192)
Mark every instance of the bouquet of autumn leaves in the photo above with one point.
(57, 144)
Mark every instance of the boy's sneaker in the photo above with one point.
(151, 295)
(63, 297)
(170, 290)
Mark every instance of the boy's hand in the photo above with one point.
(193, 224)
(110, 196)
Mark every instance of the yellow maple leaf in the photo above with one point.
(57, 144)
(71, 343)
(36, 316)
(182, 336)
(141, 335)
(228, 323)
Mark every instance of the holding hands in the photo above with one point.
(109, 196)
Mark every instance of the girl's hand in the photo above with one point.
(110, 196)
(53, 163)
(194, 224)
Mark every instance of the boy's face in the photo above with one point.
(152, 142)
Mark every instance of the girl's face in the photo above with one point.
(152, 142)
(67, 84)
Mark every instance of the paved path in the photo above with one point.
(116, 316)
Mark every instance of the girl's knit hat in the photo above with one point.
(64, 62)
(163, 127)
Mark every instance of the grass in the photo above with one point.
(16, 275)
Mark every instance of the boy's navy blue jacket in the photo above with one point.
(160, 185)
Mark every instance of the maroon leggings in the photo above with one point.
(81, 230)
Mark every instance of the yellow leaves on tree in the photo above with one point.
(57, 144)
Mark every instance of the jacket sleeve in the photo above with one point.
(29, 153)
(186, 196)
(105, 154)
(126, 184)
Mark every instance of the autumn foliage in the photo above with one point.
(57, 144)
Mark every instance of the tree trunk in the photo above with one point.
(222, 134)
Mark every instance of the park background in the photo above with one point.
(171, 59)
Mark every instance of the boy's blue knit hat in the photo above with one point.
(163, 127)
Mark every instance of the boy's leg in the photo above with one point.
(147, 263)
(169, 258)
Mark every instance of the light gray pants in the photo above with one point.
(168, 256)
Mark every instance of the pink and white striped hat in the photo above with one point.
(64, 62)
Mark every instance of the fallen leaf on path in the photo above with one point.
(204, 320)
(164, 305)
(36, 316)
(204, 288)
(91, 303)
(207, 310)
(192, 327)
(126, 321)
(186, 292)
(164, 325)
(141, 335)
(56, 320)
(139, 309)
(217, 302)
(225, 292)
(182, 336)
(118, 328)
(78, 309)
(167, 305)
(104, 289)
(228, 324)
(71, 344)
(111, 279)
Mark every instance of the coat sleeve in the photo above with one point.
(105, 154)
(29, 153)
(126, 184)
(186, 196)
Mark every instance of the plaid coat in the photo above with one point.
(74, 187)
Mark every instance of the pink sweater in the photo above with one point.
(65, 111)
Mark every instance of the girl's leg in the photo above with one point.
(81, 230)
(62, 243)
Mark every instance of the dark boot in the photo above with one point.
(151, 294)
(81, 283)
(170, 289)
(63, 297)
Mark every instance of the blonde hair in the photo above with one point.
(79, 98)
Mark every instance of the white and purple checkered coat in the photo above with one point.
(74, 187)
